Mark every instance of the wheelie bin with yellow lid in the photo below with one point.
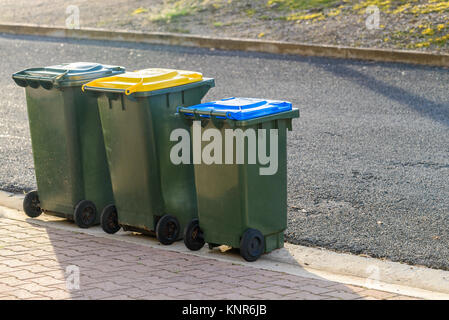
(138, 114)
(69, 156)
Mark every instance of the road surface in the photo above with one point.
(368, 160)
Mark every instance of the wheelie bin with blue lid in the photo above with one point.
(152, 194)
(241, 181)
(70, 163)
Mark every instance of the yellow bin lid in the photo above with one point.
(146, 80)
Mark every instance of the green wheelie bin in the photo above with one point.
(241, 177)
(152, 194)
(70, 162)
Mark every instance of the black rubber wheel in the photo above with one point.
(193, 236)
(252, 245)
(31, 204)
(167, 229)
(85, 214)
(109, 219)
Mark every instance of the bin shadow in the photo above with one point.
(140, 268)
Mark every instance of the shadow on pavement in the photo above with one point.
(113, 269)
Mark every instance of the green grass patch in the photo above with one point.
(172, 14)
(302, 4)
(250, 12)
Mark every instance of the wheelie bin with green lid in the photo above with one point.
(152, 194)
(70, 162)
(241, 181)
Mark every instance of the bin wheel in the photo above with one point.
(193, 236)
(109, 219)
(32, 205)
(85, 214)
(167, 229)
(252, 245)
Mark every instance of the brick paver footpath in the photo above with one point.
(41, 262)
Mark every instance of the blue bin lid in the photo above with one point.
(241, 108)
(66, 74)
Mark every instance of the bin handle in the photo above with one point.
(134, 87)
(52, 79)
(93, 82)
(206, 113)
(131, 89)
(100, 89)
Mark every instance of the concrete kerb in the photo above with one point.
(316, 263)
(253, 45)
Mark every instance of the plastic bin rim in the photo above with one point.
(204, 81)
(290, 114)
(59, 81)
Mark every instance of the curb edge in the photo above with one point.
(236, 44)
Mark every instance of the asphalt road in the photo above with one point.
(368, 160)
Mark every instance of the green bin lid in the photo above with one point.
(63, 75)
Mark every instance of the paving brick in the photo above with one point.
(5, 269)
(254, 285)
(22, 274)
(188, 279)
(4, 288)
(118, 297)
(48, 262)
(304, 295)
(38, 297)
(315, 289)
(280, 290)
(108, 286)
(37, 268)
(268, 296)
(23, 294)
(192, 296)
(58, 294)
(14, 263)
(246, 291)
(47, 280)
(134, 293)
(259, 278)
(56, 274)
(214, 291)
(173, 292)
(149, 286)
(33, 287)
(180, 285)
(11, 281)
(156, 296)
(235, 296)
(97, 294)
(17, 248)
